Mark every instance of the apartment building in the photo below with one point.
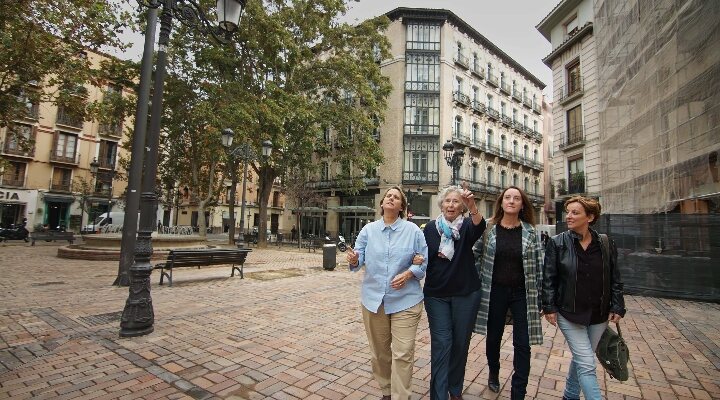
(47, 156)
(576, 130)
(450, 85)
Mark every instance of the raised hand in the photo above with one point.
(352, 257)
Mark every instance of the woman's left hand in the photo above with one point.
(615, 317)
(418, 259)
(401, 279)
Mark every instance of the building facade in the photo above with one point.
(47, 156)
(450, 84)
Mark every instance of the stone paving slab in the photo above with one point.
(289, 330)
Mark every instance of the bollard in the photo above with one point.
(329, 257)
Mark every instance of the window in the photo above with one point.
(20, 140)
(502, 142)
(475, 94)
(475, 172)
(325, 171)
(576, 177)
(515, 115)
(475, 132)
(490, 101)
(489, 176)
(489, 208)
(526, 151)
(574, 83)
(502, 79)
(475, 62)
(574, 125)
(326, 134)
(14, 174)
(503, 112)
(107, 154)
(515, 180)
(535, 155)
(515, 147)
(458, 84)
(503, 179)
(571, 25)
(422, 72)
(65, 146)
(525, 121)
(525, 96)
(457, 128)
(536, 187)
(535, 126)
(422, 37)
(459, 50)
(422, 114)
(489, 137)
(420, 160)
(526, 185)
(61, 179)
(489, 69)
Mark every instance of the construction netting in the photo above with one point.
(658, 66)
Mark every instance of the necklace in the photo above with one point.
(510, 227)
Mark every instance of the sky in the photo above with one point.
(510, 24)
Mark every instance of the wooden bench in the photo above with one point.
(51, 236)
(198, 258)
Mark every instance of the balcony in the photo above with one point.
(460, 137)
(461, 98)
(517, 95)
(106, 164)
(493, 113)
(420, 177)
(62, 186)
(461, 60)
(62, 157)
(422, 86)
(505, 88)
(478, 107)
(575, 138)
(478, 71)
(517, 126)
(69, 119)
(492, 80)
(537, 136)
(505, 120)
(577, 185)
(573, 90)
(113, 129)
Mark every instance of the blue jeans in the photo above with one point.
(501, 299)
(451, 321)
(583, 341)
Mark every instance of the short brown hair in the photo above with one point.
(591, 206)
(403, 200)
(527, 212)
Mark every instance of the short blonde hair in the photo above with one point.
(403, 200)
(590, 205)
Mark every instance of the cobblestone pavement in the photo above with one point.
(289, 330)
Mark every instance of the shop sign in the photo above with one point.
(7, 195)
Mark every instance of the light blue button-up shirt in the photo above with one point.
(387, 251)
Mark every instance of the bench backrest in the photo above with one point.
(187, 258)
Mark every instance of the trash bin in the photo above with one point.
(329, 257)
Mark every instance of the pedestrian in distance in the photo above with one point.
(452, 289)
(391, 295)
(509, 258)
(582, 290)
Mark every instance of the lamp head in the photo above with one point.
(267, 147)
(227, 137)
(228, 14)
(94, 166)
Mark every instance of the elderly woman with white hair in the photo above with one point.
(452, 289)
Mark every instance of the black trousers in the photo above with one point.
(503, 298)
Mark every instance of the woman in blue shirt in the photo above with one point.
(391, 292)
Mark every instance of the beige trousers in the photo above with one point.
(392, 348)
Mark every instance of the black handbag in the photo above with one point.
(613, 353)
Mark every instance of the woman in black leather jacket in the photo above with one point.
(582, 290)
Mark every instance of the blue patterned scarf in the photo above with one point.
(449, 232)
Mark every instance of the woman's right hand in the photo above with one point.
(352, 257)
(418, 259)
(551, 318)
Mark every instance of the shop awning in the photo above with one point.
(59, 198)
(353, 209)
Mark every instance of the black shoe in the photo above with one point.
(494, 382)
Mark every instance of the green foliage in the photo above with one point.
(42, 44)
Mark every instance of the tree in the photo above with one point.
(43, 43)
(300, 71)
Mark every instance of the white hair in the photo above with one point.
(446, 191)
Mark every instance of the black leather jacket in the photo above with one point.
(560, 276)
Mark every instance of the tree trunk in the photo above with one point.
(202, 224)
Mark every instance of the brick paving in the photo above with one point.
(289, 330)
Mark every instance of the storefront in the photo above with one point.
(57, 210)
(16, 205)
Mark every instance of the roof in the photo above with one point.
(571, 40)
(447, 15)
(556, 15)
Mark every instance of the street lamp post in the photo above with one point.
(109, 175)
(138, 315)
(454, 159)
(246, 154)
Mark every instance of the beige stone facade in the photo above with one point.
(450, 83)
(48, 154)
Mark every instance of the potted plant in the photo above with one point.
(562, 187)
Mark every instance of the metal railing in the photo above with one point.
(576, 186)
(517, 95)
(12, 147)
(492, 80)
(493, 113)
(575, 135)
(63, 186)
(112, 129)
(536, 108)
(10, 181)
(461, 60)
(478, 107)
(506, 120)
(68, 119)
(504, 87)
(572, 89)
(478, 71)
(461, 98)
(74, 159)
(422, 86)
(527, 102)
